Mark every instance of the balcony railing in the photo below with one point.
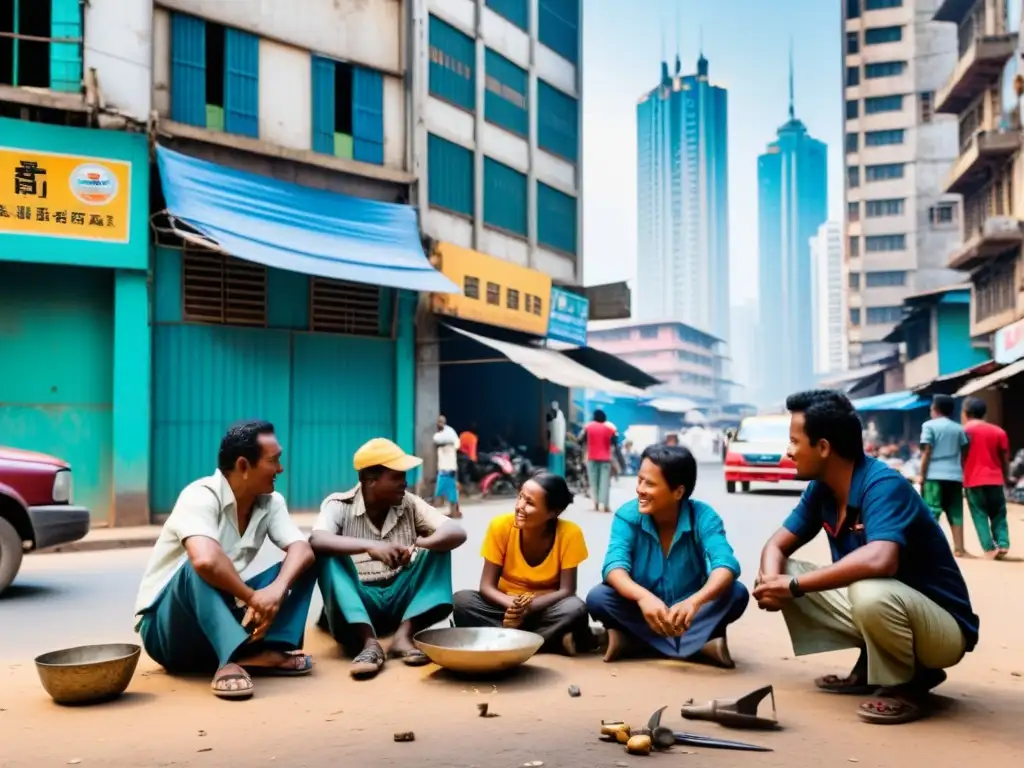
(979, 67)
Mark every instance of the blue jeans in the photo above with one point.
(616, 612)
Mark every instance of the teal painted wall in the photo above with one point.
(57, 347)
(326, 394)
(113, 145)
(954, 334)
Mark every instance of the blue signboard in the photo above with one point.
(569, 314)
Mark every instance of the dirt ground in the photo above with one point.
(318, 720)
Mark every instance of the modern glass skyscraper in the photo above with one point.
(792, 178)
(682, 202)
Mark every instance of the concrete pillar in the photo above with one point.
(428, 388)
(131, 396)
(405, 371)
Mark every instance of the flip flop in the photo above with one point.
(237, 694)
(368, 663)
(411, 657)
(850, 685)
(886, 710)
(305, 669)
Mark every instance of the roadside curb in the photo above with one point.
(109, 543)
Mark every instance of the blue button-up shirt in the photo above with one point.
(698, 547)
(883, 506)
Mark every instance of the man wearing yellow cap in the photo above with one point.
(385, 559)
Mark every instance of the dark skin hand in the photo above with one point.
(876, 560)
(213, 565)
(446, 538)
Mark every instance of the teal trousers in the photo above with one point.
(193, 628)
(421, 592)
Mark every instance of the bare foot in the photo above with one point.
(616, 645)
(992, 554)
(569, 644)
(1001, 553)
(232, 682)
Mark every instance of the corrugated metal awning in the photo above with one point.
(299, 229)
(1003, 374)
(552, 366)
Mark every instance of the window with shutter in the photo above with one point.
(337, 306)
(222, 289)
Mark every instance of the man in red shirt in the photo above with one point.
(986, 473)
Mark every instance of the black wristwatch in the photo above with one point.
(794, 588)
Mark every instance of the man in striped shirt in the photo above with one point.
(385, 560)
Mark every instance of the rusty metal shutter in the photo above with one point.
(222, 289)
(337, 306)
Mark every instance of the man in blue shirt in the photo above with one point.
(893, 590)
(943, 445)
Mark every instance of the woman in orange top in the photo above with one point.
(529, 576)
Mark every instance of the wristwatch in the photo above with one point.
(794, 588)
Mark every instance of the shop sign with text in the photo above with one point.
(569, 315)
(494, 291)
(68, 196)
(1008, 345)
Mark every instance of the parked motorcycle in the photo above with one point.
(510, 469)
(576, 468)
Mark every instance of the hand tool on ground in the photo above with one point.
(736, 713)
(663, 738)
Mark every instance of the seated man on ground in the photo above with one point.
(386, 563)
(670, 575)
(893, 590)
(529, 576)
(196, 614)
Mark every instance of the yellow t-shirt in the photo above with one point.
(501, 547)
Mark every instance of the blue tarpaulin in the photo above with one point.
(892, 401)
(299, 229)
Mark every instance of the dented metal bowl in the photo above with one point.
(484, 650)
(88, 674)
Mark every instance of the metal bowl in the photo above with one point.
(88, 674)
(484, 650)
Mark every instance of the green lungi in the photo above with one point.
(193, 628)
(420, 591)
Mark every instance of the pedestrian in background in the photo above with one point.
(597, 436)
(943, 443)
(986, 475)
(447, 487)
(556, 440)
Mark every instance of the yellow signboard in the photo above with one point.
(494, 291)
(56, 195)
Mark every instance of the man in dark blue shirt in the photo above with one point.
(893, 589)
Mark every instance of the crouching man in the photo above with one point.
(893, 590)
(385, 561)
(196, 614)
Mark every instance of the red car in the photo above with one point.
(35, 508)
(757, 454)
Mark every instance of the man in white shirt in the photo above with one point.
(385, 561)
(447, 489)
(195, 613)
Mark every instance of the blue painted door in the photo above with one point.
(323, 105)
(322, 404)
(56, 348)
(188, 70)
(66, 58)
(367, 116)
(241, 83)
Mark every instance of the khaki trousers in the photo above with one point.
(900, 628)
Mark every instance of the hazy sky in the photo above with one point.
(747, 46)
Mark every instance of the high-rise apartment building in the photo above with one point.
(828, 299)
(792, 180)
(682, 202)
(983, 91)
(900, 222)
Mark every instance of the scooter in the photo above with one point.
(501, 481)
